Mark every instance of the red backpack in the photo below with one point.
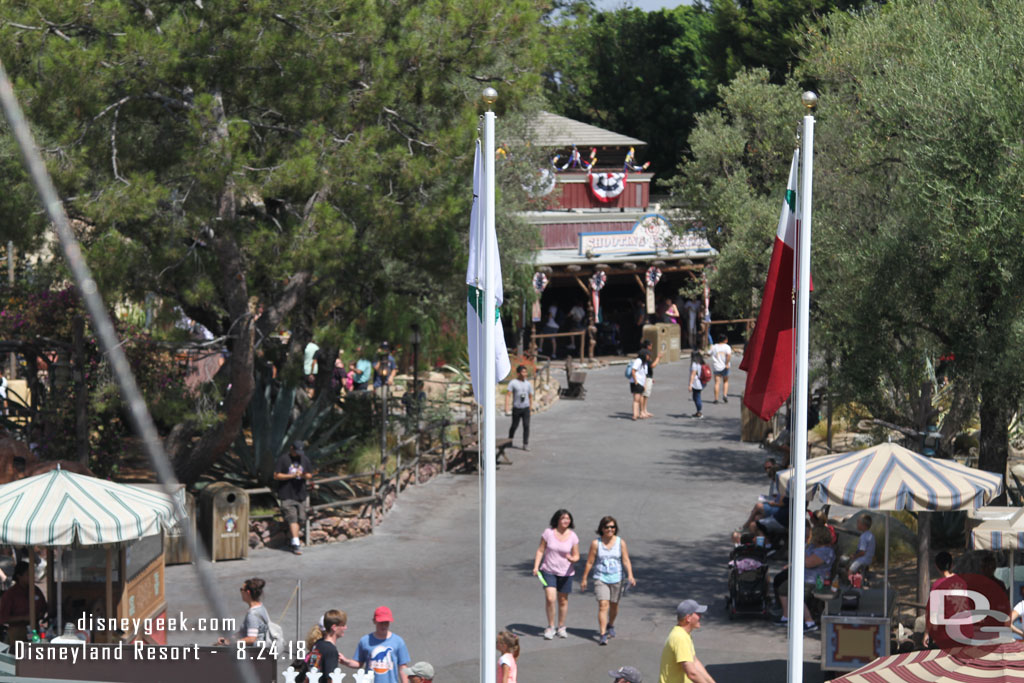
(705, 373)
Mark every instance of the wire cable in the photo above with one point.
(141, 420)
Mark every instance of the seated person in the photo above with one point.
(820, 518)
(777, 523)
(818, 560)
(861, 559)
(14, 604)
(766, 506)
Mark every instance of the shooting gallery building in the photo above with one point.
(605, 246)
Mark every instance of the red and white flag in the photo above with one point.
(768, 358)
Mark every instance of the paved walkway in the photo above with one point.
(677, 486)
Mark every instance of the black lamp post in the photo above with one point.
(415, 339)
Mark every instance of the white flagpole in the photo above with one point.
(489, 465)
(798, 451)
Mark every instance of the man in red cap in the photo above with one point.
(383, 652)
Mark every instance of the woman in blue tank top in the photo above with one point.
(607, 557)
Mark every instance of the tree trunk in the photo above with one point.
(190, 464)
(994, 441)
(924, 552)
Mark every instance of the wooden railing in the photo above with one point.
(380, 481)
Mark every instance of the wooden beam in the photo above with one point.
(624, 271)
(586, 290)
(643, 287)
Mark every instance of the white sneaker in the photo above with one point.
(549, 633)
(562, 633)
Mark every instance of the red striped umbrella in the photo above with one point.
(985, 664)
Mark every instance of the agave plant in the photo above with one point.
(275, 424)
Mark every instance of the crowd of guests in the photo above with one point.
(361, 373)
(767, 526)
(381, 651)
(712, 369)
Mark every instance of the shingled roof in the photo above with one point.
(552, 130)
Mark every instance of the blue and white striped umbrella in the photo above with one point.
(890, 477)
(58, 508)
(999, 534)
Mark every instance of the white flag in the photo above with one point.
(476, 271)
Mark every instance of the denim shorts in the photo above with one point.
(562, 584)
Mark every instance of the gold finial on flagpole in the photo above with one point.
(490, 96)
(810, 100)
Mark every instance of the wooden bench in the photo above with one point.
(471, 445)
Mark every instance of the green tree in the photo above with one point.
(267, 165)
(639, 73)
(736, 181)
(916, 249)
(747, 34)
(923, 213)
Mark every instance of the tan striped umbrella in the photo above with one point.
(968, 664)
(999, 534)
(890, 477)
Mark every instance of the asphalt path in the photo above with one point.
(677, 485)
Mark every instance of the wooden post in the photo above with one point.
(373, 503)
(416, 454)
(383, 424)
(829, 399)
(109, 578)
(398, 469)
(31, 590)
(444, 436)
(51, 587)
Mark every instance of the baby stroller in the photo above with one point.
(748, 581)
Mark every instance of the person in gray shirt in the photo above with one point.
(519, 398)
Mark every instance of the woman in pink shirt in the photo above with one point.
(553, 565)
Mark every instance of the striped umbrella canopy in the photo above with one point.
(890, 477)
(59, 508)
(999, 534)
(984, 664)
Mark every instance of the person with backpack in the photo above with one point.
(255, 626)
(636, 373)
(700, 374)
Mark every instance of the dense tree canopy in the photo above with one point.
(747, 34)
(639, 73)
(650, 74)
(916, 250)
(266, 164)
(923, 216)
(736, 180)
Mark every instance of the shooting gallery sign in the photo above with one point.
(651, 234)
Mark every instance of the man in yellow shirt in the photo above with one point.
(679, 663)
